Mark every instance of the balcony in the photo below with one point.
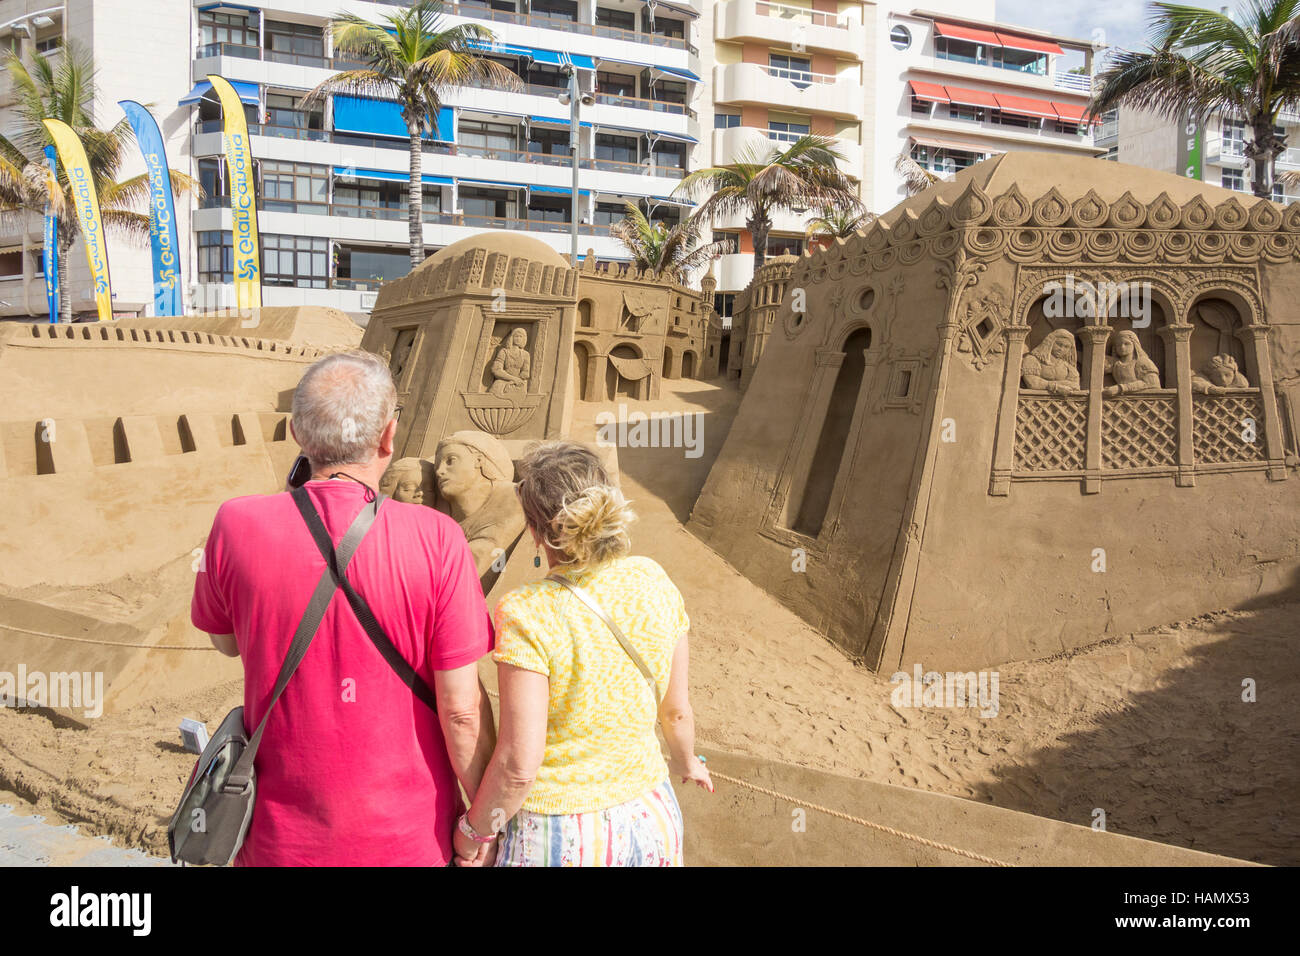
(728, 144)
(1073, 82)
(779, 24)
(543, 22)
(1226, 152)
(797, 90)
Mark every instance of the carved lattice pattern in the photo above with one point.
(1139, 432)
(1050, 433)
(1221, 424)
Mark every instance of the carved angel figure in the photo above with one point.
(1130, 367)
(1052, 365)
(511, 366)
(1218, 375)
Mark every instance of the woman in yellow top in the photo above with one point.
(577, 777)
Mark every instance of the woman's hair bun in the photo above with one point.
(567, 495)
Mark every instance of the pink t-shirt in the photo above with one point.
(352, 770)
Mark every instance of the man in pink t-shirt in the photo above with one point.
(353, 768)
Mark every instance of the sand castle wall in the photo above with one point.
(894, 478)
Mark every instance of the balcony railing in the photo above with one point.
(800, 78)
(399, 214)
(784, 11)
(1075, 82)
(641, 103)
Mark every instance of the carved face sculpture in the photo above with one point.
(1124, 346)
(404, 481)
(519, 338)
(1063, 350)
(458, 470)
(1222, 370)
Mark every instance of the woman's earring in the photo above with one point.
(537, 558)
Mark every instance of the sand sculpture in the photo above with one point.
(476, 479)
(498, 334)
(410, 480)
(752, 317)
(1132, 457)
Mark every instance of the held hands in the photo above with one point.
(469, 853)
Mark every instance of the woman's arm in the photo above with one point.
(678, 721)
(521, 744)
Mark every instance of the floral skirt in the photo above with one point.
(645, 831)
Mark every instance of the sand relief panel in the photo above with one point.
(507, 390)
(1145, 373)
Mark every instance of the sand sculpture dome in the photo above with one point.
(516, 245)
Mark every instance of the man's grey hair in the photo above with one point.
(341, 407)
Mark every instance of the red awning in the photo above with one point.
(932, 92)
(965, 97)
(1070, 113)
(973, 34)
(1025, 106)
(1017, 42)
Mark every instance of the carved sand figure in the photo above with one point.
(403, 354)
(1130, 367)
(476, 477)
(1218, 375)
(511, 366)
(404, 481)
(1053, 365)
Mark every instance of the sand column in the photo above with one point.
(1094, 377)
(1180, 337)
(1255, 338)
(1004, 441)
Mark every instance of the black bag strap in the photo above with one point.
(242, 772)
(362, 610)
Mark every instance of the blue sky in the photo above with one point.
(1121, 22)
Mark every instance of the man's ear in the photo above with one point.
(387, 439)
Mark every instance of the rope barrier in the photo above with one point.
(901, 834)
(90, 640)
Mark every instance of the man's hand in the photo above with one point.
(472, 853)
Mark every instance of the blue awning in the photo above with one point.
(357, 114)
(389, 175)
(667, 70)
(558, 190)
(678, 71)
(485, 182)
(537, 55)
(555, 121)
(675, 137)
(227, 6)
(247, 93)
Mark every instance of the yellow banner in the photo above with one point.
(243, 197)
(86, 201)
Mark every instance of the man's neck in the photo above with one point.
(367, 473)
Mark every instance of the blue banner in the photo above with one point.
(50, 251)
(162, 210)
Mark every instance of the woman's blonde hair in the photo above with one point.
(568, 499)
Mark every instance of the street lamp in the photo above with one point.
(572, 99)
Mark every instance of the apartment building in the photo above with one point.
(674, 86)
(1213, 151)
(333, 177)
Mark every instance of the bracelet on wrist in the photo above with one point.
(468, 830)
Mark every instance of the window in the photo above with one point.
(724, 303)
(236, 28)
(1014, 119)
(210, 178)
(294, 39)
(615, 84)
(548, 141)
(1073, 129)
(670, 154)
(616, 19)
(485, 138)
(900, 38)
(663, 27)
(284, 184)
(216, 257)
(285, 110)
(784, 246)
(619, 149)
(726, 120)
(1234, 138)
(11, 264)
(359, 262)
(920, 107)
(732, 239)
(488, 203)
(668, 91)
(608, 213)
(788, 132)
(941, 160)
(1233, 179)
(794, 68)
(300, 261)
(548, 209)
(556, 9)
(49, 44)
(969, 113)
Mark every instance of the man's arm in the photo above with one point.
(467, 725)
(225, 643)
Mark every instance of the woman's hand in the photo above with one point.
(472, 853)
(695, 772)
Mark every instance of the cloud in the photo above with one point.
(1116, 23)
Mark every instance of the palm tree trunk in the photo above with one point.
(65, 282)
(1262, 154)
(759, 227)
(415, 198)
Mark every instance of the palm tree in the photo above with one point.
(838, 224)
(760, 182)
(414, 57)
(1202, 62)
(662, 249)
(916, 178)
(63, 88)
